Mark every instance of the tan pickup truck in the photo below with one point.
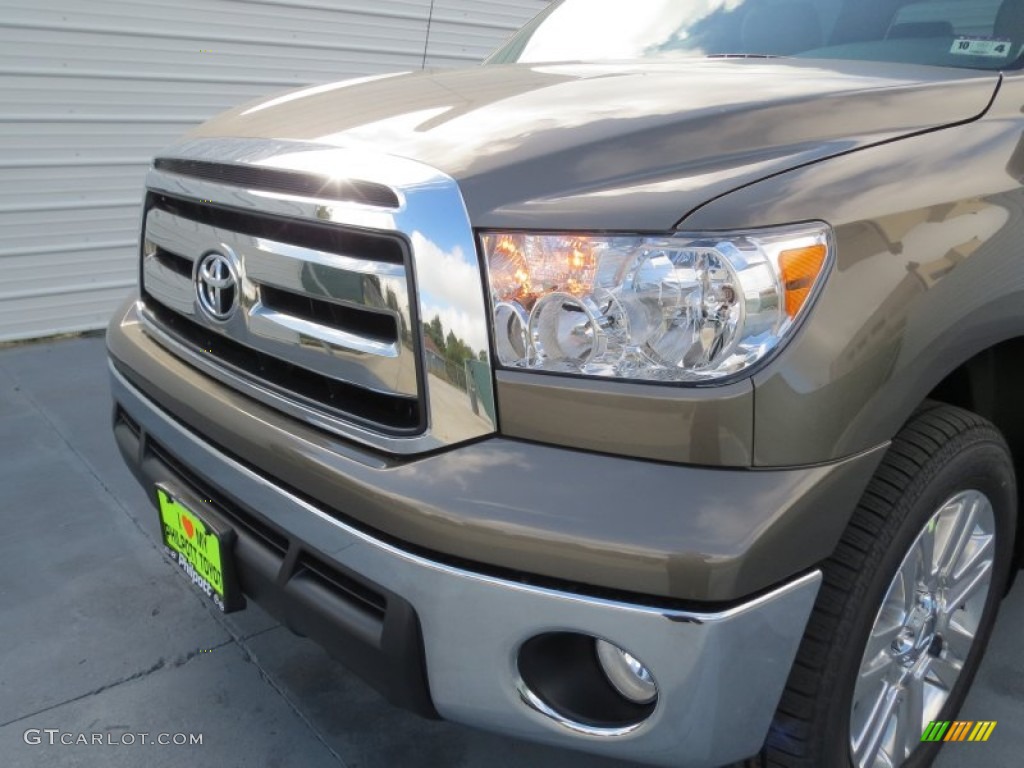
(653, 389)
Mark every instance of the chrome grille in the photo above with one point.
(342, 318)
(325, 323)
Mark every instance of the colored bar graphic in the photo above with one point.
(958, 730)
(984, 730)
(935, 731)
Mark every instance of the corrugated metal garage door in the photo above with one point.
(90, 90)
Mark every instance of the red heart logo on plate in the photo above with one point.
(187, 525)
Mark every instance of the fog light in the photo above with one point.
(627, 673)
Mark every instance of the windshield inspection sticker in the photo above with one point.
(982, 46)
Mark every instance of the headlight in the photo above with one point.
(676, 308)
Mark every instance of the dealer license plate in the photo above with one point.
(203, 552)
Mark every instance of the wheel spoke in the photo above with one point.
(925, 551)
(881, 638)
(866, 749)
(910, 721)
(958, 640)
(918, 567)
(959, 535)
(968, 585)
(980, 550)
(907, 578)
(872, 676)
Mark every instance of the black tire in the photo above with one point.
(941, 451)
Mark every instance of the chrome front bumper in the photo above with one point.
(720, 674)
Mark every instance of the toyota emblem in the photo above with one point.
(217, 286)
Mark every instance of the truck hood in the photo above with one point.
(617, 146)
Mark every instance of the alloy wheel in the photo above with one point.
(923, 632)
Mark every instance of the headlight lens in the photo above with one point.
(673, 308)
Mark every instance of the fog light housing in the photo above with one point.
(561, 677)
(626, 673)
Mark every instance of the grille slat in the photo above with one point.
(374, 325)
(337, 581)
(174, 262)
(321, 237)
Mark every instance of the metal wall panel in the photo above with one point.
(90, 91)
(466, 31)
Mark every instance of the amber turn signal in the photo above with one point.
(800, 269)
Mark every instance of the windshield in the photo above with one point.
(975, 34)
